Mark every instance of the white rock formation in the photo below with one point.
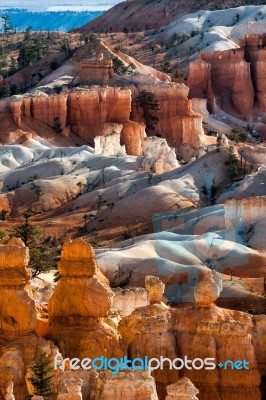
(109, 142)
(182, 390)
(224, 140)
(159, 157)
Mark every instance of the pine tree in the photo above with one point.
(42, 379)
(6, 22)
(149, 104)
(40, 253)
(27, 231)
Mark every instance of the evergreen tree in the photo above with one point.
(5, 91)
(13, 65)
(15, 89)
(39, 252)
(149, 104)
(118, 66)
(28, 54)
(28, 232)
(42, 379)
(6, 22)
(39, 260)
(27, 34)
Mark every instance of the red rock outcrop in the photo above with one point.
(257, 59)
(88, 110)
(86, 113)
(18, 342)
(96, 70)
(182, 390)
(236, 77)
(227, 75)
(132, 137)
(177, 121)
(148, 331)
(78, 305)
(201, 332)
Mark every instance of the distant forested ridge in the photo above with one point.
(63, 21)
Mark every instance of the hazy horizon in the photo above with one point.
(55, 5)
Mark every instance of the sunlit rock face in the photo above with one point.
(88, 112)
(128, 385)
(155, 288)
(234, 79)
(177, 122)
(148, 331)
(182, 390)
(18, 341)
(223, 335)
(208, 289)
(244, 210)
(199, 331)
(132, 137)
(79, 303)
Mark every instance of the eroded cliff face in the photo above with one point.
(83, 299)
(177, 122)
(244, 210)
(86, 113)
(227, 75)
(200, 331)
(235, 77)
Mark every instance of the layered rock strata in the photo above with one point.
(85, 112)
(236, 77)
(200, 331)
(78, 305)
(177, 122)
(18, 342)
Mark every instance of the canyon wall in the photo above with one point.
(177, 122)
(86, 113)
(237, 78)
(225, 74)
